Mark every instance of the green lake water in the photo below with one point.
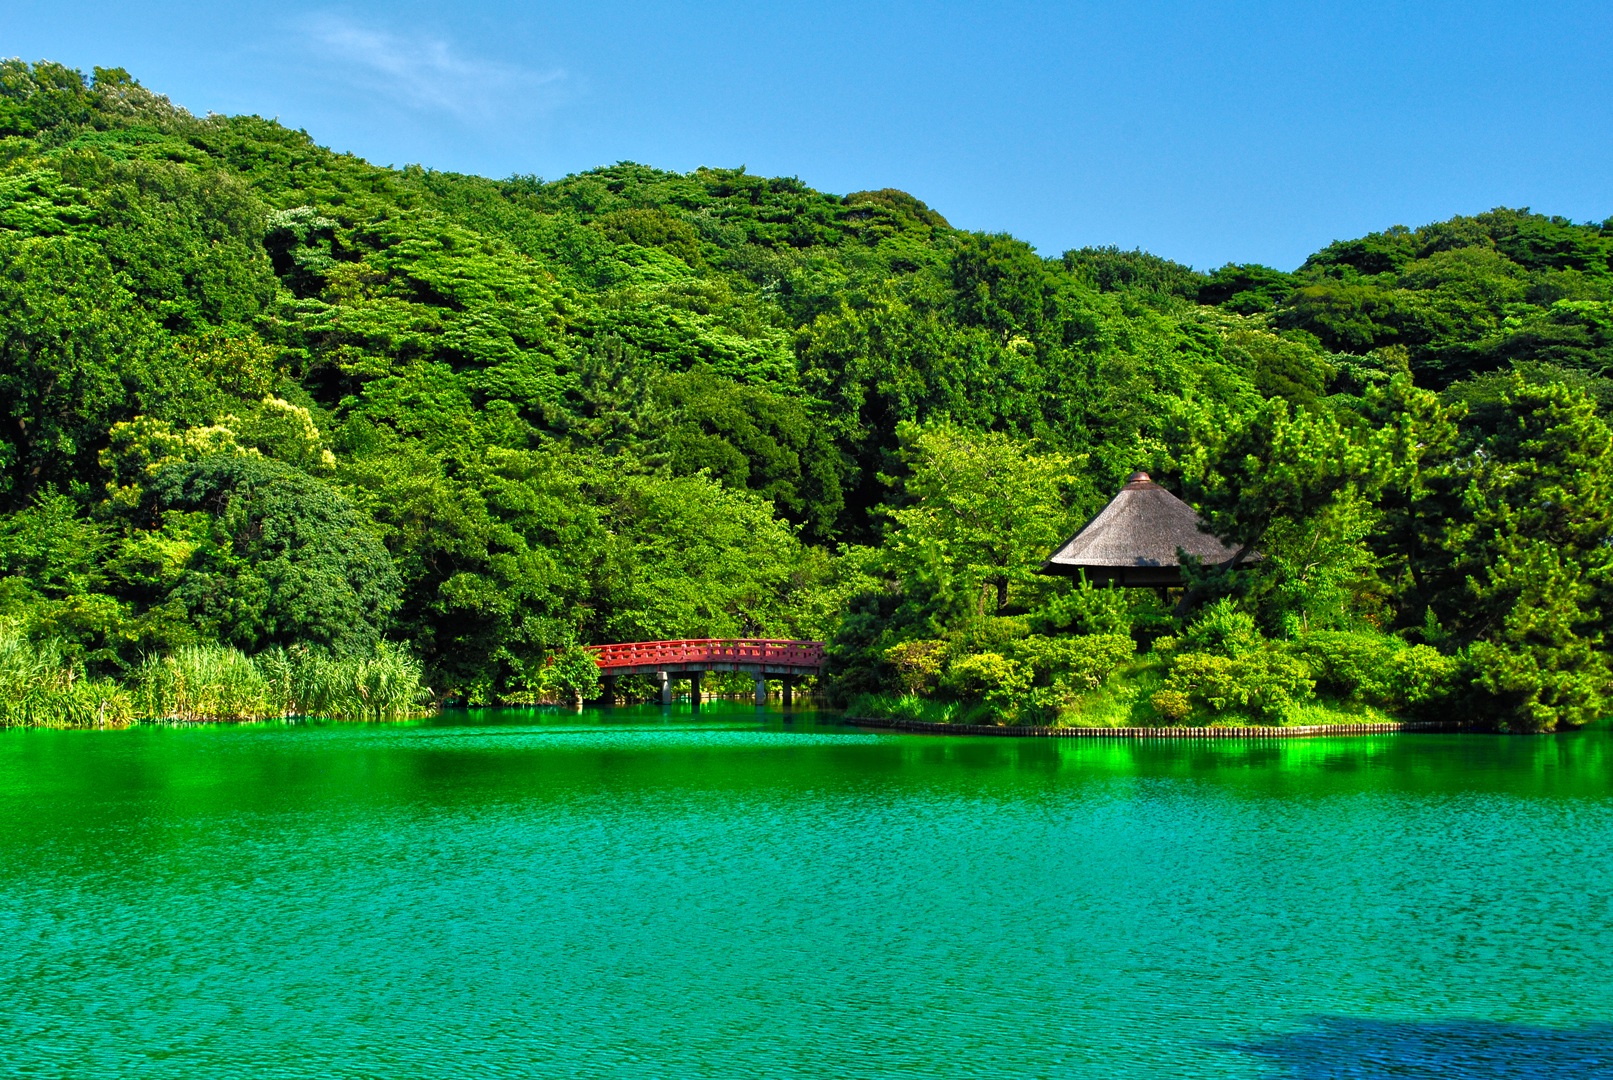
(647, 894)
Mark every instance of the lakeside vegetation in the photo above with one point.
(42, 686)
(282, 433)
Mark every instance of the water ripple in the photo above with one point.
(741, 897)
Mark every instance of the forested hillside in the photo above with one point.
(261, 395)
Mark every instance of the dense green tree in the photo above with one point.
(977, 514)
(1108, 269)
(1246, 289)
(284, 558)
(77, 354)
(1526, 523)
(1465, 296)
(751, 437)
(1248, 472)
(53, 547)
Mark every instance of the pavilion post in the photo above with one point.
(694, 691)
(666, 687)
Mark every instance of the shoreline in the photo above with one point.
(925, 727)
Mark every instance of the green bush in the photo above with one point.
(1527, 691)
(1221, 628)
(1081, 663)
(990, 678)
(1087, 609)
(1267, 685)
(572, 674)
(1421, 676)
(1221, 664)
(1376, 669)
(918, 663)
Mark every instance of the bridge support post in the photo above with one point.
(761, 689)
(609, 689)
(789, 691)
(666, 687)
(694, 691)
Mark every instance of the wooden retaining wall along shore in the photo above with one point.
(1298, 732)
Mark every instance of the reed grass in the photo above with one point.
(41, 687)
(201, 682)
(913, 707)
(388, 684)
(215, 682)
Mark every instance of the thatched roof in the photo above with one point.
(1134, 540)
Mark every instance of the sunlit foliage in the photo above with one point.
(259, 396)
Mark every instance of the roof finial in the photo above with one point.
(1138, 479)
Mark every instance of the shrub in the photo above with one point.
(1420, 676)
(1530, 692)
(1376, 669)
(1086, 609)
(1173, 705)
(918, 663)
(1223, 630)
(990, 678)
(1044, 705)
(989, 633)
(573, 672)
(1265, 684)
(1346, 665)
(1081, 663)
(1222, 664)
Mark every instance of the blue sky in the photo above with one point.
(1206, 133)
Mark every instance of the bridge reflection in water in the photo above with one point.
(765, 658)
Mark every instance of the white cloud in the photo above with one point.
(424, 72)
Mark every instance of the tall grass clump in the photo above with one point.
(201, 682)
(913, 707)
(41, 687)
(387, 684)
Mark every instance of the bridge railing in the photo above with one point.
(709, 650)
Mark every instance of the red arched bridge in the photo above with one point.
(765, 658)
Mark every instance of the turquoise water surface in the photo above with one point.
(647, 894)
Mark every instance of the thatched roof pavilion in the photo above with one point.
(1133, 541)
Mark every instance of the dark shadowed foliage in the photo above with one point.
(287, 560)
